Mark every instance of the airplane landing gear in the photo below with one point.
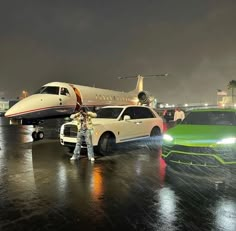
(37, 135)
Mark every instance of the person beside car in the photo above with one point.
(178, 116)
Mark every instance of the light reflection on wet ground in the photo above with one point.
(41, 189)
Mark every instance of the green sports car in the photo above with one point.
(205, 138)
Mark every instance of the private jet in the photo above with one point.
(60, 99)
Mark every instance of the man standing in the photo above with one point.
(179, 115)
(84, 124)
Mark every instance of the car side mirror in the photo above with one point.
(127, 117)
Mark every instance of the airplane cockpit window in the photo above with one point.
(48, 90)
(64, 91)
(39, 90)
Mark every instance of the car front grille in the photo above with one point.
(70, 130)
(204, 156)
(205, 150)
(227, 153)
(194, 159)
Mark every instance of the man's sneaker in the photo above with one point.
(92, 159)
(74, 158)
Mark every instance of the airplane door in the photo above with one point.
(67, 99)
(63, 96)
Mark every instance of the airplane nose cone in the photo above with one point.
(7, 113)
(18, 109)
(11, 112)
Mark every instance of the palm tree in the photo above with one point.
(232, 85)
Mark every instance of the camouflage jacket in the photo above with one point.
(84, 120)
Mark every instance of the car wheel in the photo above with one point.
(154, 141)
(106, 144)
(155, 132)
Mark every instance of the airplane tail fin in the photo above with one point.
(139, 85)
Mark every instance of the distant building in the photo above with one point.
(6, 104)
(227, 101)
(226, 98)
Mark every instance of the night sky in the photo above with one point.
(94, 42)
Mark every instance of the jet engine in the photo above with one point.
(144, 97)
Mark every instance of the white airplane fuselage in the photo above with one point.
(59, 99)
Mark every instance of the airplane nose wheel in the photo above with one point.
(40, 135)
(37, 135)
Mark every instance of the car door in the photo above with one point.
(143, 118)
(127, 127)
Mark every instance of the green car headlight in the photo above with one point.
(167, 138)
(230, 140)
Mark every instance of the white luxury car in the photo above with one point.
(116, 124)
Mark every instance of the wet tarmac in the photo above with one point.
(131, 189)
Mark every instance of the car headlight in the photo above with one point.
(167, 138)
(230, 140)
(62, 129)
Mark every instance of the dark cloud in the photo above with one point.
(93, 42)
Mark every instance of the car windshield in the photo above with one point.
(48, 90)
(109, 113)
(210, 118)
